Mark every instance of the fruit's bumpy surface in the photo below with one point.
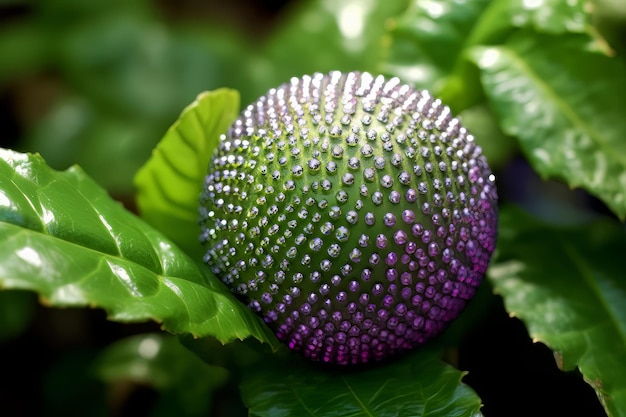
(353, 213)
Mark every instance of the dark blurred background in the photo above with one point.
(98, 83)
(91, 82)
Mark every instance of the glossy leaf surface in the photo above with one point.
(429, 43)
(418, 385)
(66, 239)
(568, 287)
(539, 88)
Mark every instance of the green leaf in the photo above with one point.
(169, 184)
(568, 286)
(427, 39)
(426, 45)
(551, 16)
(417, 385)
(185, 383)
(561, 102)
(66, 239)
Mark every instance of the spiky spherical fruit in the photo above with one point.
(353, 213)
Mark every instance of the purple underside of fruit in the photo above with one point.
(353, 213)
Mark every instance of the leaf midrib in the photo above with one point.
(564, 108)
(368, 412)
(301, 401)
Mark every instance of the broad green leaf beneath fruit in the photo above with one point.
(568, 286)
(169, 184)
(417, 385)
(540, 89)
(66, 239)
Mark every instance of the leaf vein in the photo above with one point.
(160, 186)
(360, 402)
(566, 110)
(301, 401)
(166, 158)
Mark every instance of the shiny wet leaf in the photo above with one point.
(539, 89)
(417, 385)
(567, 285)
(428, 43)
(66, 239)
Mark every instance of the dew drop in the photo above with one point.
(314, 164)
(337, 151)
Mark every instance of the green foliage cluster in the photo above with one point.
(541, 79)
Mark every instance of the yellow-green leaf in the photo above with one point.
(169, 184)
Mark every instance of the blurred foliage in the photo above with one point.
(121, 71)
(120, 74)
(16, 311)
(159, 361)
